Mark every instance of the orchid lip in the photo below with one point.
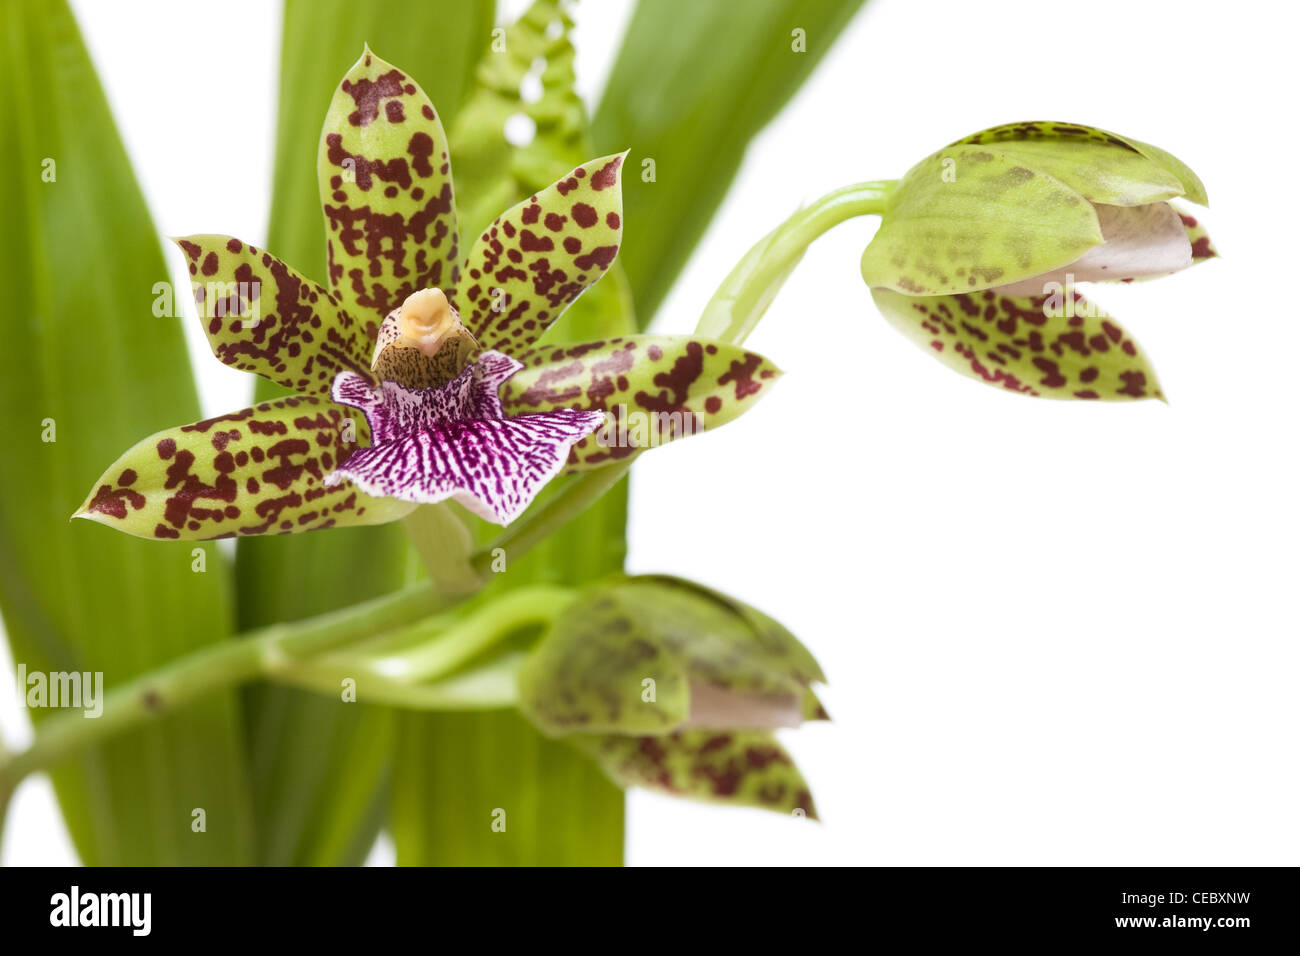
(713, 706)
(1137, 242)
(455, 441)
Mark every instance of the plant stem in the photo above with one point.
(213, 668)
(432, 655)
(749, 289)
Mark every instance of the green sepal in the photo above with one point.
(255, 471)
(1102, 166)
(534, 259)
(735, 768)
(386, 190)
(657, 388)
(631, 655)
(968, 218)
(263, 316)
(1053, 346)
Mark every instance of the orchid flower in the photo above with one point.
(439, 351)
(981, 243)
(676, 688)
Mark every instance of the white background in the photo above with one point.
(1055, 633)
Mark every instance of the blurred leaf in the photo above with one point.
(86, 361)
(455, 769)
(693, 84)
(320, 766)
(481, 789)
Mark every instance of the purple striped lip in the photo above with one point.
(455, 441)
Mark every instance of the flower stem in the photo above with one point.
(749, 289)
(436, 652)
(216, 667)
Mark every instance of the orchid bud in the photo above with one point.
(981, 244)
(669, 684)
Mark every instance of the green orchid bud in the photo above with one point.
(981, 244)
(676, 688)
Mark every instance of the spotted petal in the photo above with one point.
(737, 768)
(1054, 346)
(454, 442)
(656, 388)
(537, 257)
(256, 471)
(386, 190)
(261, 315)
(1202, 247)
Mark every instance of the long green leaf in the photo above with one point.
(87, 365)
(320, 765)
(693, 83)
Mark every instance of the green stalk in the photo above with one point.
(749, 289)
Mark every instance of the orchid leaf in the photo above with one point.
(1054, 346)
(261, 315)
(541, 254)
(648, 655)
(85, 371)
(485, 788)
(967, 218)
(255, 471)
(386, 190)
(692, 85)
(656, 388)
(1102, 167)
(744, 768)
(321, 766)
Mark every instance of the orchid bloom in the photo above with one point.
(439, 351)
(981, 244)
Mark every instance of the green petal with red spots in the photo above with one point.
(736, 768)
(1102, 166)
(256, 471)
(656, 388)
(653, 654)
(1054, 346)
(261, 315)
(386, 190)
(968, 218)
(1202, 247)
(537, 257)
